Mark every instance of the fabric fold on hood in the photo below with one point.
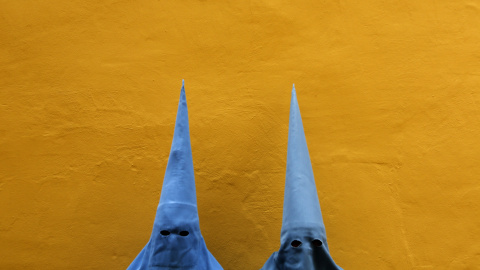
(303, 238)
(176, 241)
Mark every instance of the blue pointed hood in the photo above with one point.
(300, 206)
(176, 241)
(178, 190)
(303, 242)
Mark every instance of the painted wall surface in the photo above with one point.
(390, 98)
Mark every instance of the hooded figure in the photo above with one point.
(176, 241)
(303, 239)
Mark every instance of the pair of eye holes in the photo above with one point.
(315, 243)
(166, 233)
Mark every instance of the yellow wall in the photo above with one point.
(390, 97)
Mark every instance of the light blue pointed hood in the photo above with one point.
(176, 241)
(301, 207)
(178, 190)
(303, 238)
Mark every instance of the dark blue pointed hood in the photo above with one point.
(176, 241)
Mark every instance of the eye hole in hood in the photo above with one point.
(296, 243)
(184, 233)
(317, 243)
(164, 233)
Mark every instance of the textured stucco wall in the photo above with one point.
(390, 97)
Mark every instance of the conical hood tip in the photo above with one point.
(179, 180)
(301, 205)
